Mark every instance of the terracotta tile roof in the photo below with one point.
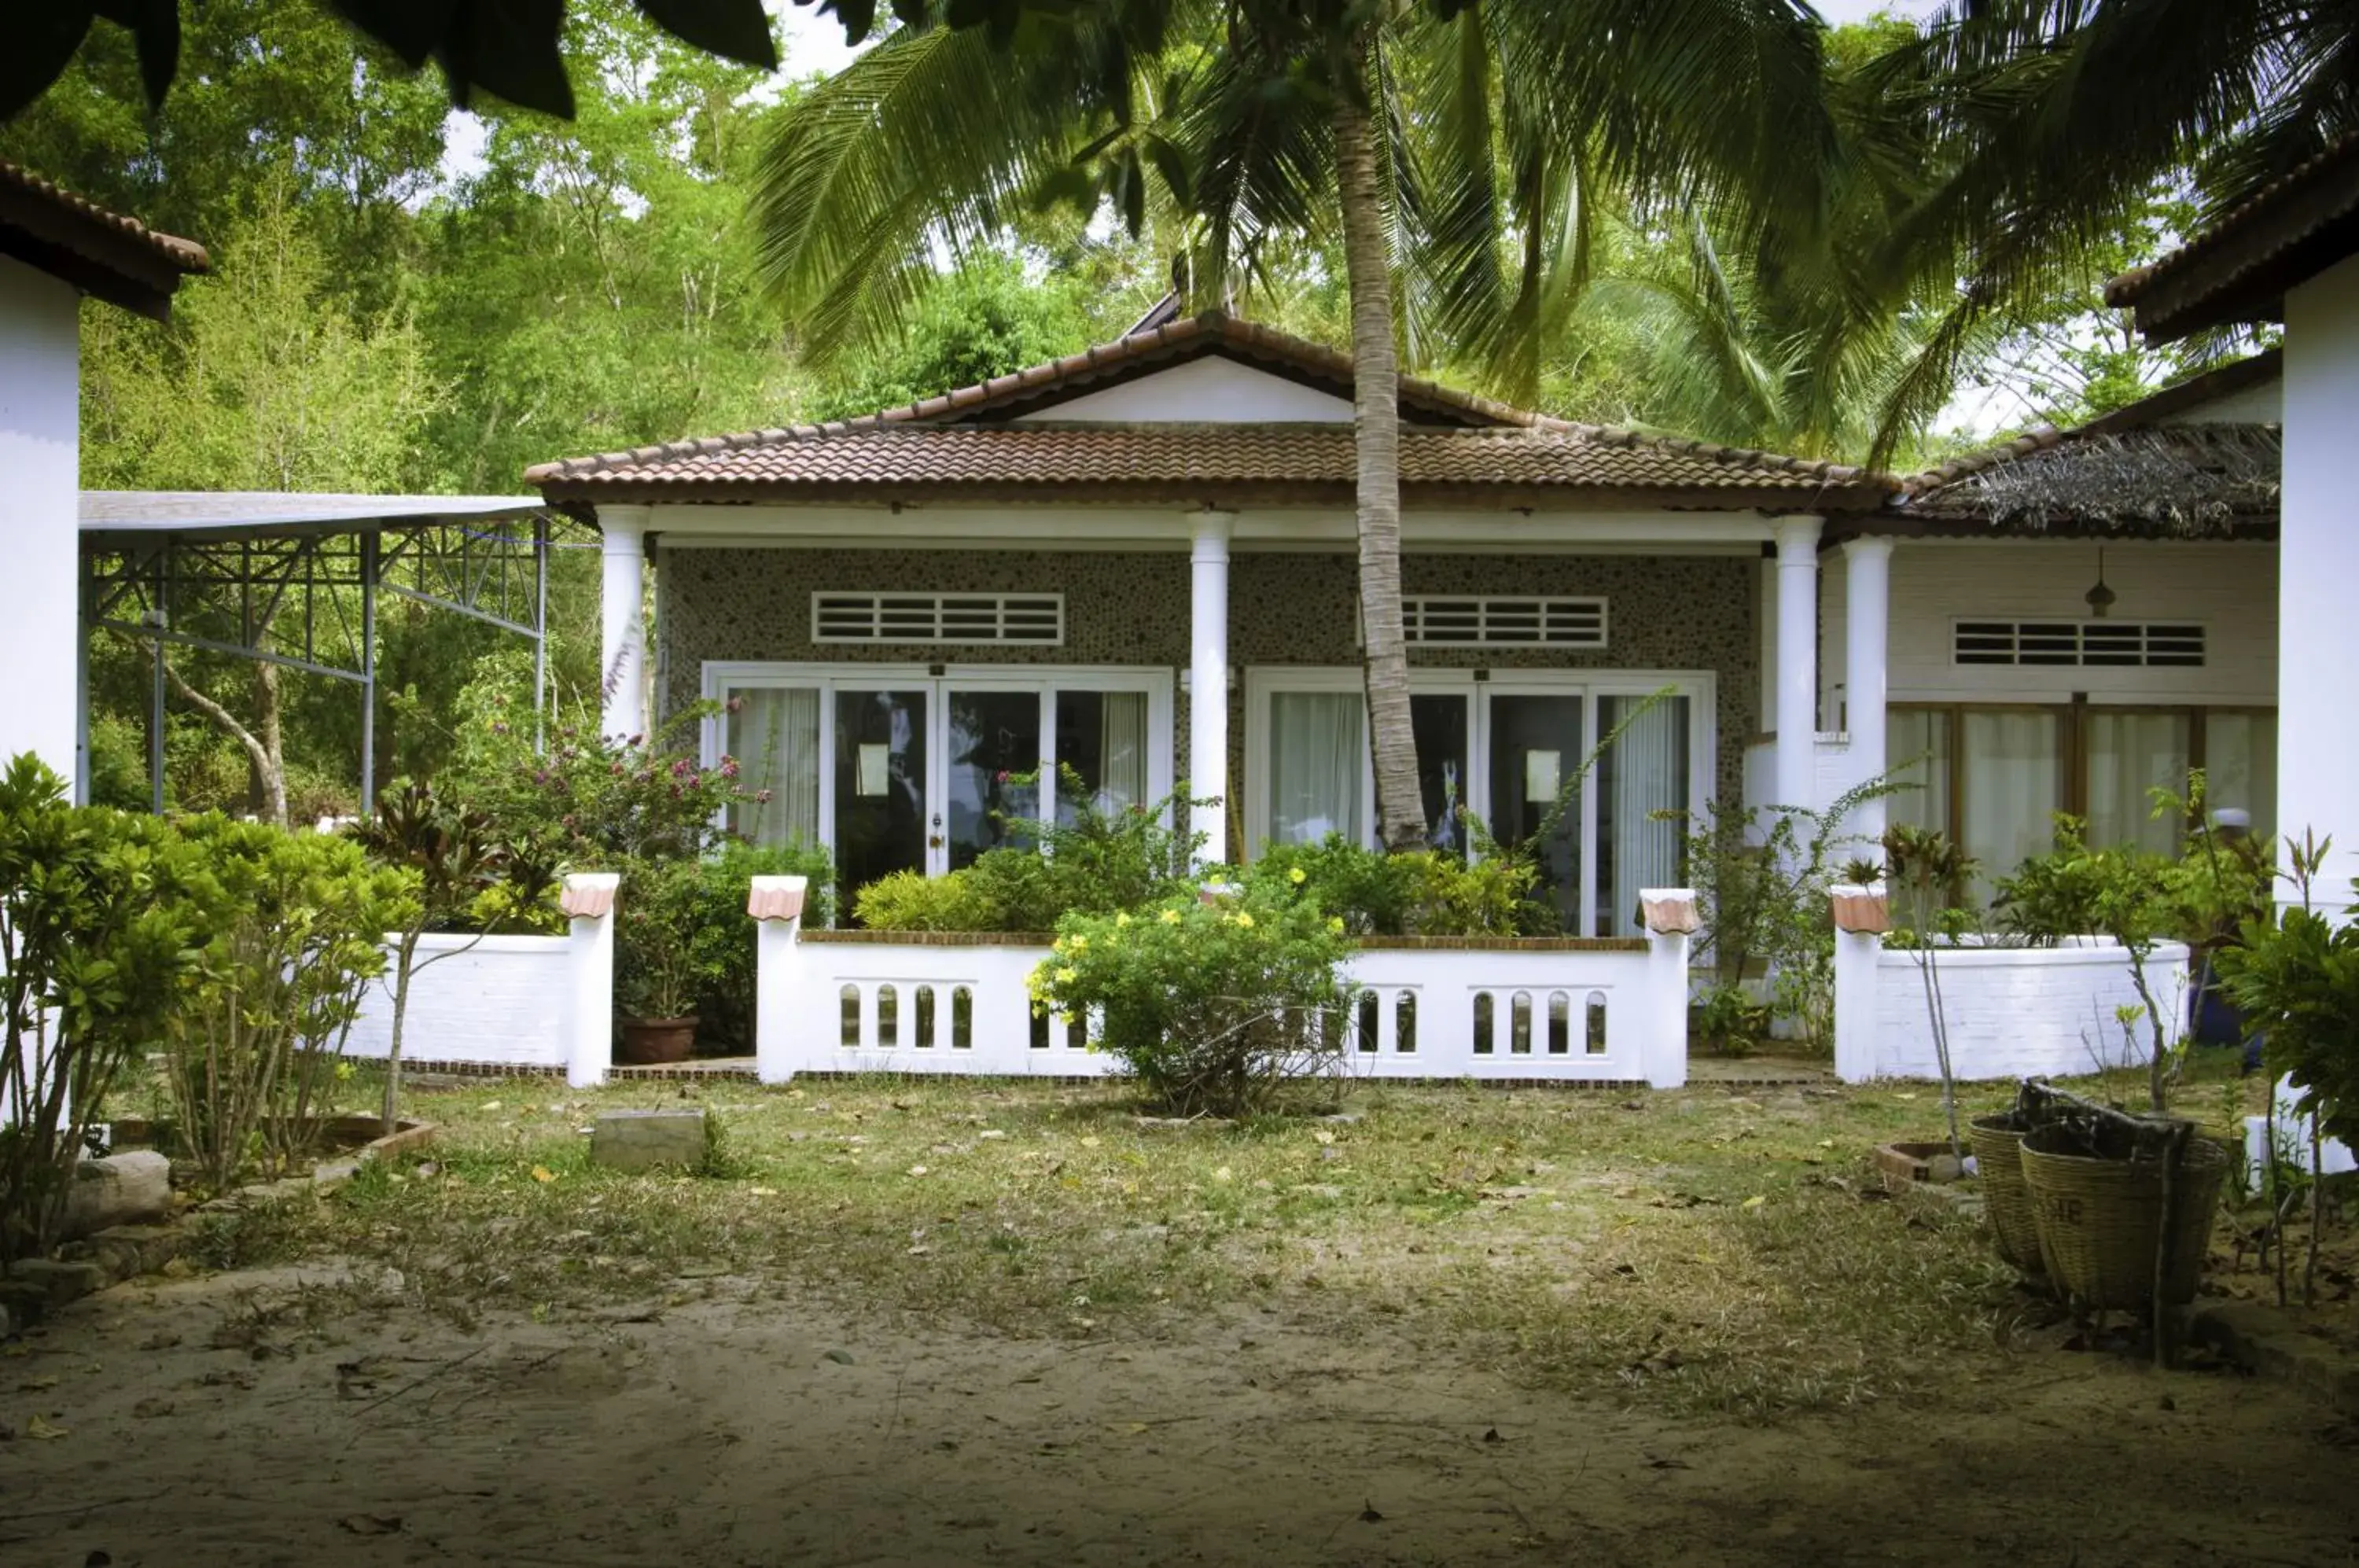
(118, 259)
(1281, 461)
(2239, 268)
(963, 441)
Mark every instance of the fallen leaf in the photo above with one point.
(841, 1358)
(917, 1170)
(1322, 1136)
(1129, 1429)
(540, 1173)
(1223, 1174)
(494, 1105)
(1826, 1143)
(991, 1132)
(38, 1428)
(1755, 1202)
(1368, 1515)
(36, 1385)
(764, 1192)
(371, 1524)
(1090, 1142)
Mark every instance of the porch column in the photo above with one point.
(1798, 661)
(1867, 571)
(622, 644)
(1208, 682)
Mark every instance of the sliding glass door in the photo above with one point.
(895, 768)
(1507, 752)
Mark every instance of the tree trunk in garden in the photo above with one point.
(1375, 387)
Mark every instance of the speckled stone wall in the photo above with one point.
(1123, 607)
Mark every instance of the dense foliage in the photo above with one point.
(1220, 1005)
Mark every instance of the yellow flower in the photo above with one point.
(1171, 917)
(1245, 920)
(1078, 945)
(1064, 976)
(1122, 919)
(1335, 924)
(1058, 945)
(1298, 876)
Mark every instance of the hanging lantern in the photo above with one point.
(2100, 598)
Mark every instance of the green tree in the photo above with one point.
(1447, 141)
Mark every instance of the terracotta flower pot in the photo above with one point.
(650, 1042)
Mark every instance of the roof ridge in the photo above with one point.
(186, 254)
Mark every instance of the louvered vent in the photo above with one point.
(2108, 644)
(1035, 619)
(1437, 621)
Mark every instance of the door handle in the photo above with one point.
(934, 841)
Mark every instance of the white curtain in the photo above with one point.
(774, 735)
(2013, 786)
(1122, 751)
(2130, 754)
(1917, 753)
(1317, 758)
(2240, 767)
(1650, 775)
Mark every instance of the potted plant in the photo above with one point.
(659, 972)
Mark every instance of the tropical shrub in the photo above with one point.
(1220, 1008)
(913, 901)
(2295, 973)
(2052, 897)
(661, 968)
(1422, 893)
(93, 940)
(293, 928)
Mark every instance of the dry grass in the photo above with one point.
(1704, 1249)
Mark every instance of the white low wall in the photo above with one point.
(503, 999)
(2012, 1012)
(520, 1001)
(2334, 1159)
(861, 1002)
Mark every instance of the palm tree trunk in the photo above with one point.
(1375, 396)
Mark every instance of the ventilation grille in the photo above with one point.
(1436, 621)
(1036, 619)
(2118, 644)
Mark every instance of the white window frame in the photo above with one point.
(721, 676)
(1699, 686)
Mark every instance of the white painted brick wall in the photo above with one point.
(504, 999)
(2015, 1012)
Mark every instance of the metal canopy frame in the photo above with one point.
(301, 592)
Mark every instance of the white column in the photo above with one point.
(2318, 577)
(622, 644)
(1208, 682)
(1798, 661)
(1867, 603)
(1859, 956)
(1670, 918)
(588, 901)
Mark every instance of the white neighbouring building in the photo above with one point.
(56, 247)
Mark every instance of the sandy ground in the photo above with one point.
(203, 1422)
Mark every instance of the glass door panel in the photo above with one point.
(1643, 774)
(772, 734)
(992, 787)
(1440, 727)
(1917, 751)
(882, 823)
(1536, 743)
(1102, 741)
(2240, 767)
(2014, 786)
(2130, 754)
(1319, 762)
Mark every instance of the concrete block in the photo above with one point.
(58, 1280)
(643, 1140)
(131, 1188)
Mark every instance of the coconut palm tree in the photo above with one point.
(2038, 123)
(1452, 144)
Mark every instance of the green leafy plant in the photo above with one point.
(296, 925)
(448, 859)
(1221, 1007)
(661, 966)
(1761, 880)
(913, 901)
(1416, 893)
(723, 947)
(1928, 869)
(93, 940)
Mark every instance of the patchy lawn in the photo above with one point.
(1713, 1249)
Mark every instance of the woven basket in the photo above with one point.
(1996, 1142)
(2099, 1219)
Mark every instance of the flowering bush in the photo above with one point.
(1423, 893)
(1219, 1007)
